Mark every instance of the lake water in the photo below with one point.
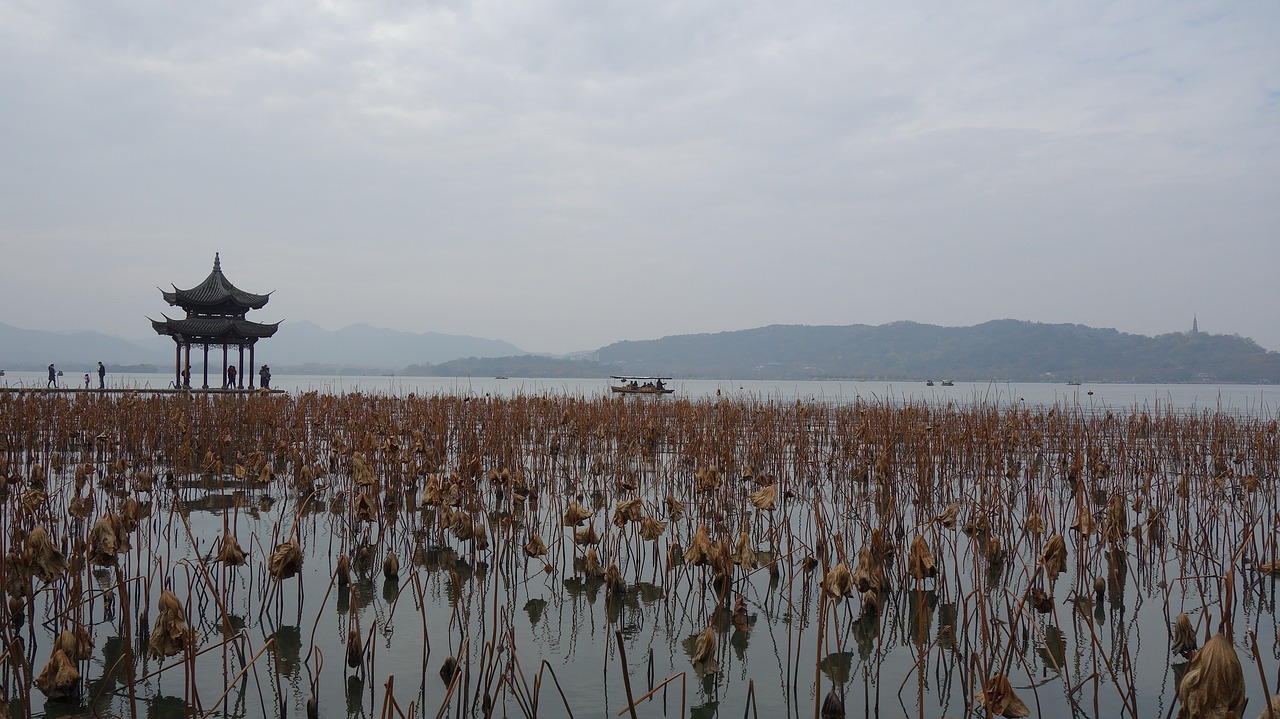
(518, 622)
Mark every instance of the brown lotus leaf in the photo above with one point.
(591, 566)
(355, 647)
(171, 634)
(37, 477)
(60, 679)
(744, 552)
(107, 539)
(948, 516)
(707, 479)
(1084, 519)
(1034, 524)
(870, 602)
(1184, 636)
(627, 511)
(285, 561)
(869, 574)
(1040, 601)
(675, 508)
(461, 526)
(76, 643)
(391, 566)
(651, 529)
(81, 506)
(33, 499)
(43, 559)
(1270, 568)
(920, 563)
(431, 494)
(613, 578)
(230, 552)
(765, 497)
(575, 515)
(1054, 556)
(535, 547)
(1272, 710)
(1117, 519)
(343, 570)
(1212, 686)
(699, 551)
(361, 470)
(586, 535)
(838, 582)
(480, 534)
(704, 651)
(998, 698)
(365, 509)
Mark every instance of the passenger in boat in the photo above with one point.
(660, 383)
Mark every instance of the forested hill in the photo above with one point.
(1001, 349)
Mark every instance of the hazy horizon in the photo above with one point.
(565, 175)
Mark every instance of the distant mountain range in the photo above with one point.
(996, 350)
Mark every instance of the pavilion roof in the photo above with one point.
(216, 293)
(214, 329)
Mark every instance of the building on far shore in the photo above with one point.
(215, 315)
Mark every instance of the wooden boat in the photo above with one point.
(948, 383)
(639, 385)
(929, 383)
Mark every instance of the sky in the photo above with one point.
(570, 173)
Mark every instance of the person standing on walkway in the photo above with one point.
(265, 375)
(53, 377)
(102, 376)
(231, 377)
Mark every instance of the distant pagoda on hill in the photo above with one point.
(216, 312)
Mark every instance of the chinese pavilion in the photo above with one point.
(215, 316)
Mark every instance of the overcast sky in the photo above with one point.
(563, 175)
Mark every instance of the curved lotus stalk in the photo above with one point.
(997, 697)
(431, 493)
(699, 551)
(535, 547)
(171, 634)
(230, 552)
(575, 514)
(1184, 636)
(627, 511)
(586, 535)
(838, 582)
(765, 498)
(920, 563)
(591, 565)
(1054, 556)
(949, 515)
(42, 558)
(285, 561)
(76, 643)
(651, 529)
(744, 552)
(391, 566)
(1213, 684)
(869, 575)
(59, 679)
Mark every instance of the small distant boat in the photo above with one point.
(501, 376)
(929, 383)
(1074, 383)
(639, 385)
(948, 383)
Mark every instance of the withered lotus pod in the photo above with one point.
(480, 533)
(42, 558)
(744, 553)
(76, 643)
(448, 669)
(1054, 556)
(920, 563)
(765, 498)
(869, 574)
(627, 511)
(838, 582)
(998, 698)
(1213, 684)
(285, 561)
(391, 566)
(575, 515)
(230, 552)
(591, 565)
(1099, 588)
(171, 634)
(1184, 636)
(535, 547)
(60, 679)
(586, 535)
(699, 551)
(651, 529)
(948, 516)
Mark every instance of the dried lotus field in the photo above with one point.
(548, 556)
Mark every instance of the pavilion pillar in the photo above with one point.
(186, 367)
(224, 366)
(240, 368)
(177, 363)
(251, 345)
(206, 366)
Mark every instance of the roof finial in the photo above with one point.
(217, 263)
